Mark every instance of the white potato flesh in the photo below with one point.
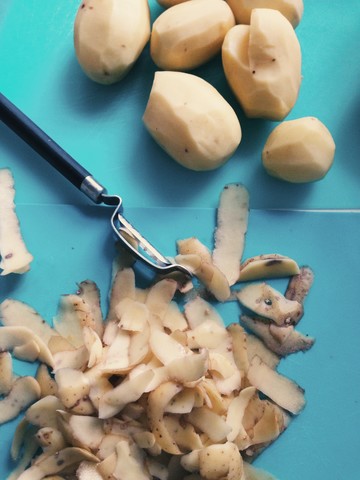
(158, 389)
(272, 265)
(29, 351)
(47, 383)
(76, 358)
(292, 9)
(235, 415)
(283, 391)
(88, 471)
(174, 319)
(14, 255)
(269, 303)
(90, 293)
(24, 391)
(93, 345)
(280, 340)
(198, 311)
(43, 413)
(6, 373)
(132, 315)
(189, 34)
(109, 36)
(130, 462)
(50, 439)
(165, 348)
(232, 221)
(123, 286)
(207, 273)
(29, 450)
(56, 463)
(11, 337)
(128, 391)
(73, 386)
(191, 121)
(212, 424)
(218, 462)
(82, 430)
(262, 64)
(159, 297)
(256, 347)
(239, 346)
(157, 403)
(15, 313)
(299, 151)
(73, 314)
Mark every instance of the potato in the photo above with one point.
(292, 9)
(109, 36)
(189, 34)
(299, 151)
(191, 121)
(262, 64)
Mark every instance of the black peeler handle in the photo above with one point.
(45, 146)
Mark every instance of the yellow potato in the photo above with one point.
(189, 34)
(299, 151)
(262, 64)
(191, 121)
(109, 36)
(292, 9)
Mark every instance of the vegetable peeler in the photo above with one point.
(39, 141)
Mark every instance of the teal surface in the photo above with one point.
(102, 128)
(71, 244)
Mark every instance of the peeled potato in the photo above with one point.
(189, 34)
(191, 121)
(291, 9)
(262, 64)
(109, 36)
(299, 151)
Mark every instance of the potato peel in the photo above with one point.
(159, 379)
(14, 255)
(232, 219)
(264, 266)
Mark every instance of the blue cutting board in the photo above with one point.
(102, 126)
(71, 244)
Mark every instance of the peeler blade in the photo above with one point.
(143, 250)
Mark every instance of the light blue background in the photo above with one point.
(102, 128)
(70, 244)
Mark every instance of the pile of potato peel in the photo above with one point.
(154, 390)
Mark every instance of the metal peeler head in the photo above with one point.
(144, 251)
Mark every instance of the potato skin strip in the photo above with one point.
(265, 301)
(283, 391)
(12, 337)
(270, 265)
(14, 255)
(300, 285)
(161, 387)
(232, 220)
(24, 392)
(6, 373)
(157, 403)
(281, 340)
